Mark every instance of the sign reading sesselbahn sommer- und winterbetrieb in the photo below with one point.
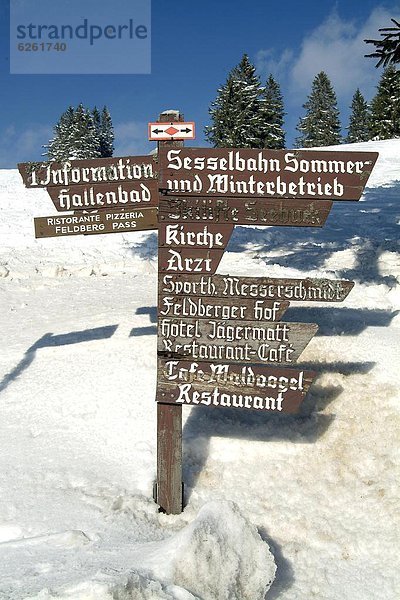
(244, 172)
(97, 183)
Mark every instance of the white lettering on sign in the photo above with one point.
(178, 235)
(68, 175)
(192, 265)
(216, 398)
(260, 164)
(91, 199)
(224, 374)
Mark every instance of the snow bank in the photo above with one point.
(219, 556)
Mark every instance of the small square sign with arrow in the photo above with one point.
(176, 130)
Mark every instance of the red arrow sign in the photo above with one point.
(176, 130)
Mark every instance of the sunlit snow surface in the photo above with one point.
(314, 496)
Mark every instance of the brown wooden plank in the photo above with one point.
(245, 172)
(169, 457)
(244, 211)
(269, 288)
(106, 221)
(88, 171)
(209, 307)
(99, 196)
(169, 417)
(184, 260)
(245, 342)
(255, 387)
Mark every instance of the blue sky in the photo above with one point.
(194, 46)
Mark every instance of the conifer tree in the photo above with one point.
(235, 113)
(81, 133)
(106, 134)
(359, 123)
(271, 116)
(388, 48)
(320, 126)
(385, 106)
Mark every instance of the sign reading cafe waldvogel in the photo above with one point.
(95, 183)
(239, 172)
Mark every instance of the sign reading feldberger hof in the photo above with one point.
(244, 172)
(125, 182)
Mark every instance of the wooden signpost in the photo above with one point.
(221, 341)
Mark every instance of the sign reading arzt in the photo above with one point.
(265, 173)
(125, 182)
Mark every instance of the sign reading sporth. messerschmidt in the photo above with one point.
(265, 173)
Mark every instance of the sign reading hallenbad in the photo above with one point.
(120, 194)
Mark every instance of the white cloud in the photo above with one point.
(338, 48)
(22, 145)
(131, 139)
(267, 62)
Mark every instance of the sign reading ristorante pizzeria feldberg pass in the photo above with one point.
(120, 182)
(104, 221)
(252, 173)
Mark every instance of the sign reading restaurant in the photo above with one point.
(265, 173)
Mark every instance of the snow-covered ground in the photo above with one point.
(313, 497)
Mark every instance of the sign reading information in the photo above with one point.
(127, 182)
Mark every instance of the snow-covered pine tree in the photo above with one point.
(272, 114)
(320, 126)
(385, 106)
(106, 135)
(235, 113)
(75, 136)
(358, 129)
(55, 147)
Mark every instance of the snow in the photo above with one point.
(281, 507)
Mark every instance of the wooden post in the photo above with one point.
(169, 487)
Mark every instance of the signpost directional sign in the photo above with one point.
(255, 387)
(244, 211)
(105, 221)
(122, 182)
(162, 131)
(244, 342)
(239, 289)
(251, 173)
